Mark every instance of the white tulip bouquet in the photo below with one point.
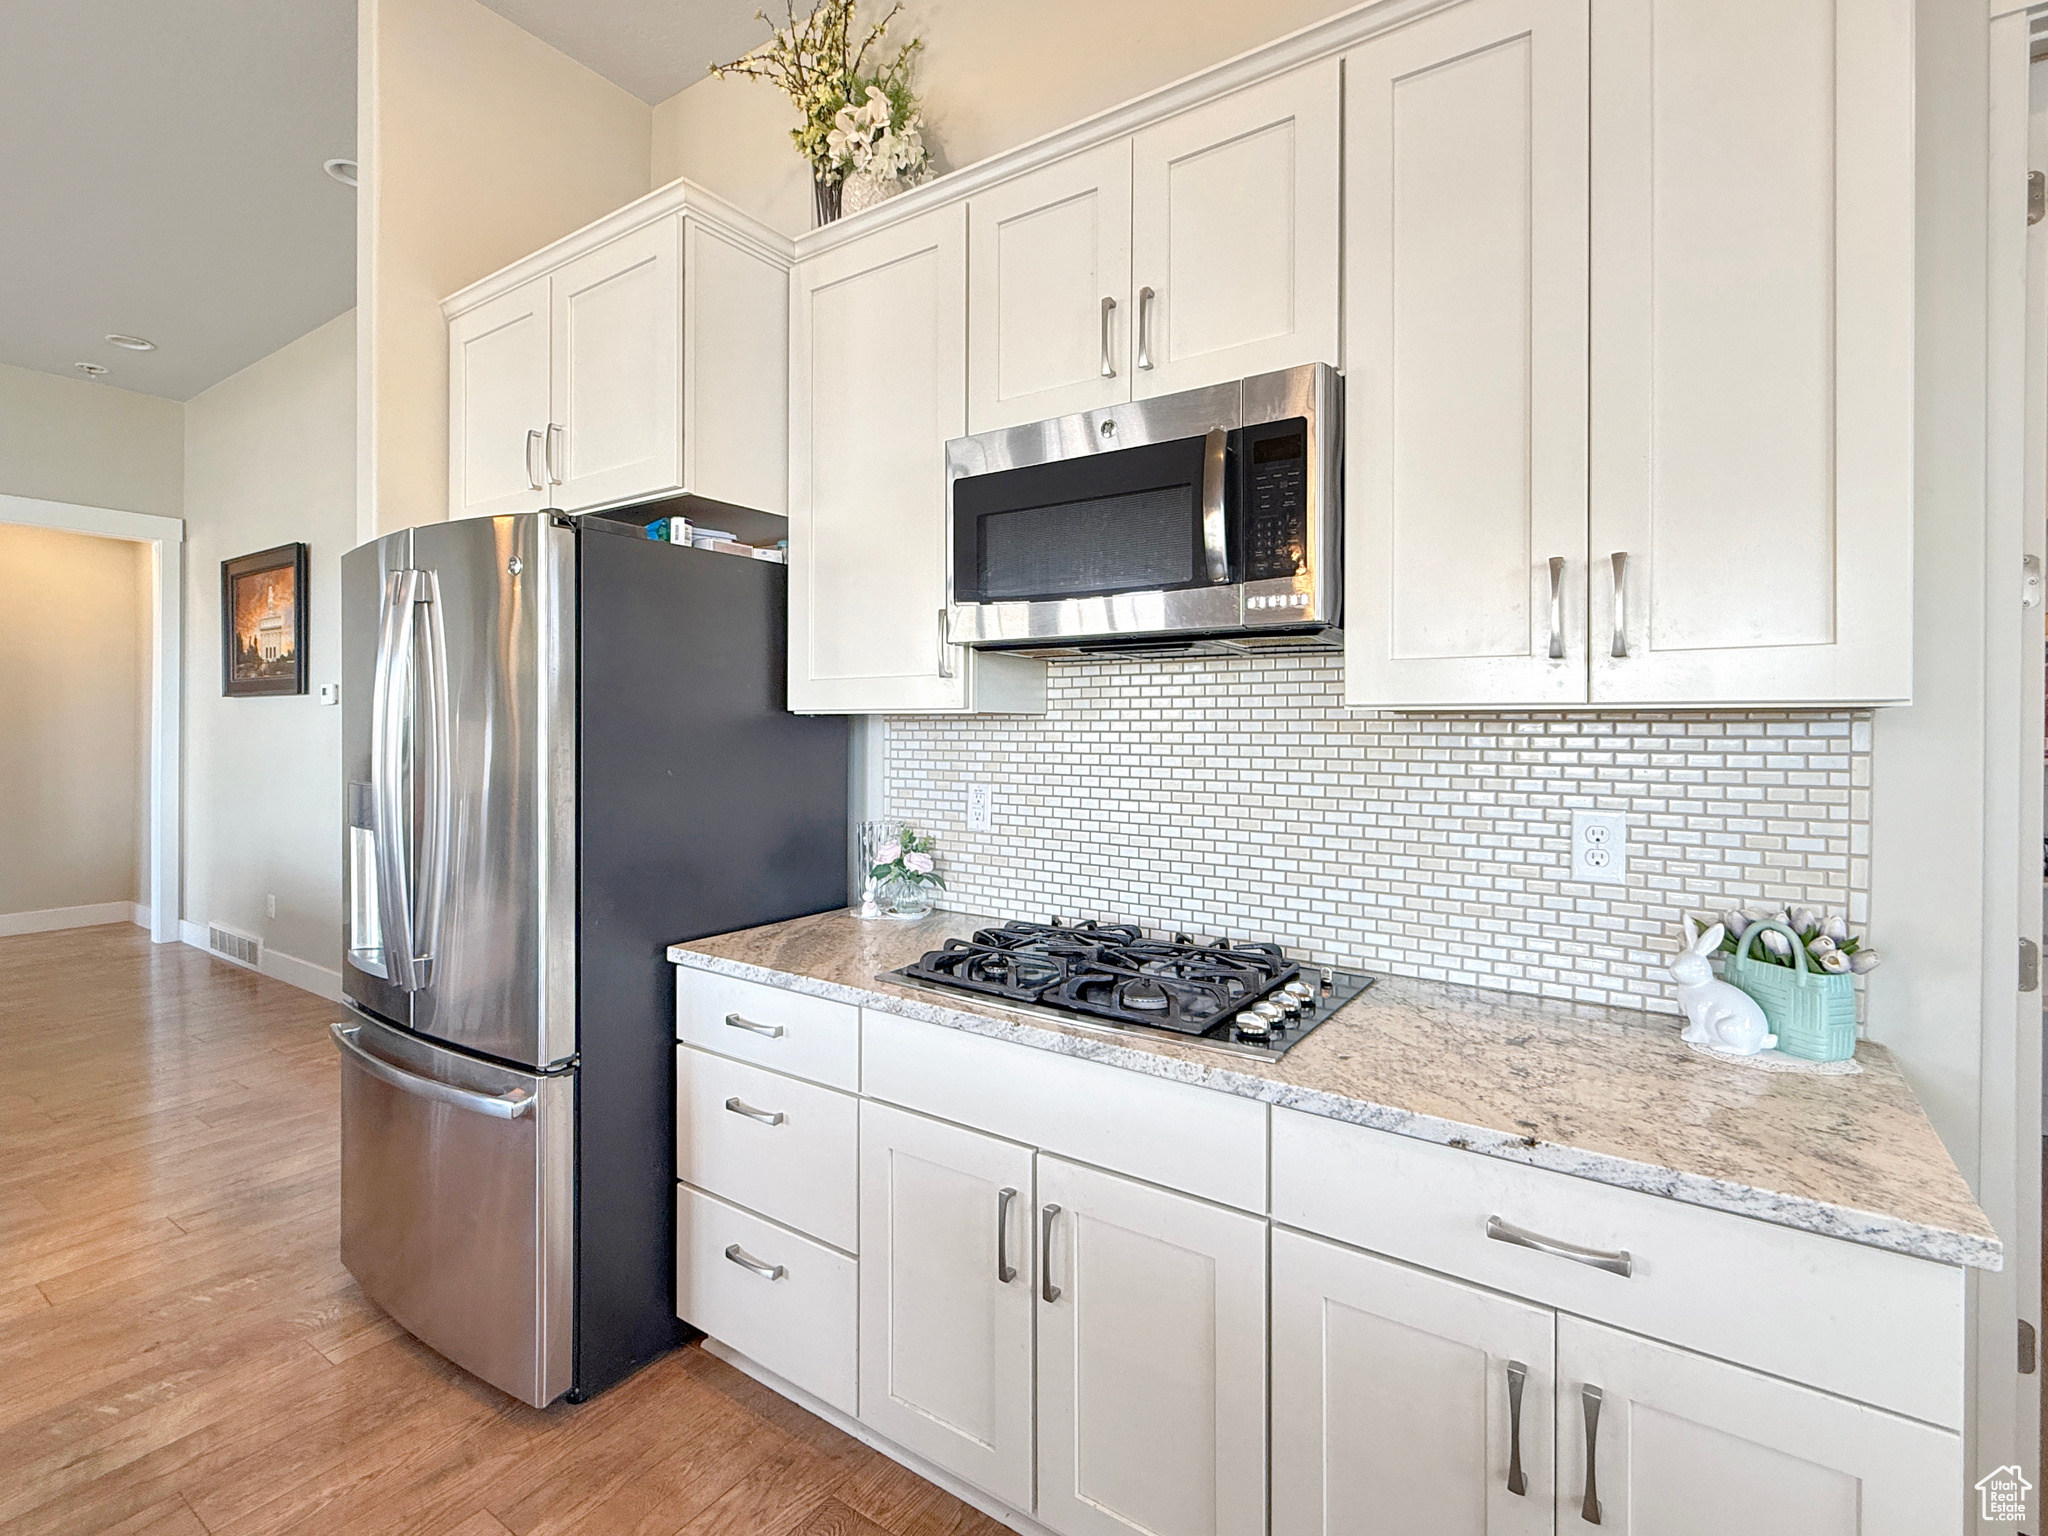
(1829, 945)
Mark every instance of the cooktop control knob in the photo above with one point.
(1275, 1017)
(1301, 992)
(1251, 1029)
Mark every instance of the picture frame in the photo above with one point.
(263, 623)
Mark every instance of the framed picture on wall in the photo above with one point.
(263, 623)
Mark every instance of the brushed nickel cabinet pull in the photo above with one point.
(1046, 1288)
(1145, 328)
(772, 1031)
(1557, 607)
(1616, 1262)
(1518, 1373)
(740, 1106)
(1005, 1271)
(532, 474)
(1108, 309)
(1589, 1507)
(746, 1260)
(1619, 560)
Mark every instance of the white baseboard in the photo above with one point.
(279, 966)
(51, 919)
(994, 1508)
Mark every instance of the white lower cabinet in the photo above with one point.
(1663, 1442)
(946, 1279)
(1151, 1360)
(1404, 1401)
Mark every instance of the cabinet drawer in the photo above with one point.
(807, 1037)
(797, 1166)
(801, 1324)
(1879, 1327)
(1194, 1139)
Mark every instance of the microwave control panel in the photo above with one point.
(1275, 500)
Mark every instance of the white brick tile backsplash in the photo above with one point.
(1239, 797)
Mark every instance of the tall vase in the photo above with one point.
(825, 197)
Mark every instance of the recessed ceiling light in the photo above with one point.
(131, 343)
(90, 370)
(343, 171)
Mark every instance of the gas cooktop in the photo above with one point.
(1241, 997)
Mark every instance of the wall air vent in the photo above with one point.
(233, 944)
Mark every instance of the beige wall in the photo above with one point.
(994, 74)
(74, 718)
(73, 440)
(269, 459)
(479, 143)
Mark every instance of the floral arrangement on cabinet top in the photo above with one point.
(862, 129)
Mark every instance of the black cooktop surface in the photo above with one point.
(1248, 997)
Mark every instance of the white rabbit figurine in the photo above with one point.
(1717, 1015)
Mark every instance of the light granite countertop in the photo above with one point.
(1603, 1093)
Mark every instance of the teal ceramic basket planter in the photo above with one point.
(1812, 1013)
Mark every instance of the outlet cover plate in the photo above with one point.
(978, 798)
(1600, 847)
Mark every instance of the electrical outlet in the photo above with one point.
(270, 905)
(977, 807)
(1600, 847)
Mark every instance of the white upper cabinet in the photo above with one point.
(1151, 1360)
(946, 1287)
(1048, 291)
(1630, 377)
(1404, 1401)
(615, 329)
(1657, 1441)
(498, 404)
(878, 383)
(640, 358)
(1752, 379)
(1465, 398)
(1234, 219)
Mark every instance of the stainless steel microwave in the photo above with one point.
(1202, 522)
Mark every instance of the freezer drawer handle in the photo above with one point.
(740, 1106)
(1617, 1262)
(772, 1031)
(502, 1106)
(746, 1260)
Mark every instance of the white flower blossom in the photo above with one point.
(1737, 923)
(1776, 942)
(1820, 945)
(921, 863)
(1835, 963)
(1864, 961)
(1836, 928)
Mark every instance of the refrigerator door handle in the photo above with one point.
(439, 761)
(390, 707)
(500, 1106)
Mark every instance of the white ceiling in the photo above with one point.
(160, 176)
(652, 48)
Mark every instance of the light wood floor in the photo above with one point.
(181, 1351)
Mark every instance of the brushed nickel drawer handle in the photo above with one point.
(740, 1106)
(1616, 1262)
(1590, 1399)
(772, 1031)
(1046, 1288)
(1557, 607)
(1518, 1373)
(746, 1260)
(1108, 309)
(1005, 1270)
(1619, 561)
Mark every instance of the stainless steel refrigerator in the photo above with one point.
(565, 748)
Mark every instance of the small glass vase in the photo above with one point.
(879, 841)
(905, 896)
(825, 200)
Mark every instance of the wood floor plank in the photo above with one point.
(183, 1353)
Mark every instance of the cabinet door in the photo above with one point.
(878, 383)
(1151, 1360)
(1048, 291)
(1234, 214)
(1752, 367)
(498, 404)
(1465, 399)
(1403, 1401)
(945, 1338)
(1688, 1446)
(615, 314)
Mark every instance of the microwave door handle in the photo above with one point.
(1214, 547)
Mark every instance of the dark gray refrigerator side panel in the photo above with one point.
(502, 978)
(705, 807)
(365, 978)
